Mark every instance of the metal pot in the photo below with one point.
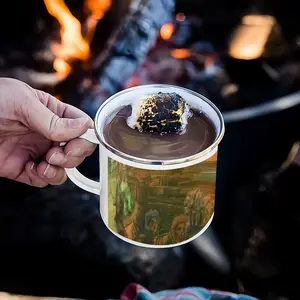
(255, 136)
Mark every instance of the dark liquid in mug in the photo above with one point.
(200, 133)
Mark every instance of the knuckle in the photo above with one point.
(54, 126)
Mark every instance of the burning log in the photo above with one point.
(125, 50)
(73, 44)
(55, 54)
(72, 62)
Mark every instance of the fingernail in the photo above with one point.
(49, 172)
(33, 168)
(75, 152)
(77, 123)
(57, 158)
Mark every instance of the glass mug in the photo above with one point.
(156, 204)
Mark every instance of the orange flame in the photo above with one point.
(62, 67)
(98, 7)
(181, 53)
(97, 10)
(73, 45)
(167, 31)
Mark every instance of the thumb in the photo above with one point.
(53, 127)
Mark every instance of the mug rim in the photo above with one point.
(147, 161)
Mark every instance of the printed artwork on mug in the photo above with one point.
(160, 207)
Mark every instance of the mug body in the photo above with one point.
(157, 204)
(157, 208)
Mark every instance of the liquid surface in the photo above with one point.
(200, 133)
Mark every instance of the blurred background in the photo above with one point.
(245, 57)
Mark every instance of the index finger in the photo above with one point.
(60, 108)
(73, 112)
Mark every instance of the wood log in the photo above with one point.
(125, 51)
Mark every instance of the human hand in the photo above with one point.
(32, 123)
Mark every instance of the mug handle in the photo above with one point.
(76, 177)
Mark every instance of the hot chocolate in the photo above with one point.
(199, 134)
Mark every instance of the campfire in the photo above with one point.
(99, 47)
(74, 45)
(67, 36)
